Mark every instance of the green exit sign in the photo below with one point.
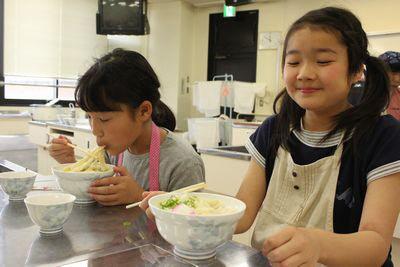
(229, 11)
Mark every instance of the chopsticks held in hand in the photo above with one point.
(190, 188)
(81, 149)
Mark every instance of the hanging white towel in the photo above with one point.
(204, 132)
(206, 97)
(207, 133)
(244, 95)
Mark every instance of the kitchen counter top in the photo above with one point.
(236, 152)
(55, 124)
(11, 114)
(100, 236)
(244, 124)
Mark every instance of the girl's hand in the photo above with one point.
(59, 150)
(144, 205)
(292, 246)
(116, 190)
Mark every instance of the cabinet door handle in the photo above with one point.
(88, 144)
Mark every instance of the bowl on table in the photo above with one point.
(17, 184)
(49, 211)
(77, 183)
(197, 236)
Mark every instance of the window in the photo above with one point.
(21, 90)
(46, 39)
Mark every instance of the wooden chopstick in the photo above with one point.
(81, 149)
(187, 189)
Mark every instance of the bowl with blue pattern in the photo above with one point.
(77, 183)
(195, 236)
(50, 211)
(17, 184)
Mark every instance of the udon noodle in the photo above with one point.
(193, 205)
(94, 162)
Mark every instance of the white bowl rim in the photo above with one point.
(57, 169)
(28, 199)
(156, 198)
(29, 174)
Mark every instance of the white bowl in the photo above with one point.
(49, 211)
(197, 236)
(77, 183)
(17, 184)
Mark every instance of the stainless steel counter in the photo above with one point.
(6, 166)
(236, 152)
(101, 236)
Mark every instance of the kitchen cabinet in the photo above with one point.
(241, 131)
(13, 124)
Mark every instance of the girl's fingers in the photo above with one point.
(121, 170)
(144, 205)
(145, 194)
(114, 180)
(55, 147)
(103, 190)
(107, 200)
(284, 252)
(59, 152)
(149, 214)
(278, 239)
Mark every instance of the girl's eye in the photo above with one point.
(104, 120)
(324, 62)
(293, 63)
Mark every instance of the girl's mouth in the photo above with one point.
(308, 90)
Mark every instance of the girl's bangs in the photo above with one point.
(92, 99)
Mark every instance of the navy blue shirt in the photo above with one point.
(380, 157)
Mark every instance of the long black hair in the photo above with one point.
(356, 120)
(122, 77)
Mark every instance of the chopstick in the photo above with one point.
(187, 189)
(81, 149)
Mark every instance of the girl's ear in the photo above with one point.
(359, 76)
(144, 111)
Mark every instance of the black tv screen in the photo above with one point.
(121, 17)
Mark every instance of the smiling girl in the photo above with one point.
(324, 178)
(325, 175)
(120, 95)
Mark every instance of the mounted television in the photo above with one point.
(125, 17)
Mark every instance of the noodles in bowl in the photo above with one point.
(76, 178)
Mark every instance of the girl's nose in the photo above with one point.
(306, 72)
(96, 129)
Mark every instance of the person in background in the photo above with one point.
(324, 177)
(120, 95)
(392, 60)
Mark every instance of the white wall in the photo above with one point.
(163, 48)
(186, 64)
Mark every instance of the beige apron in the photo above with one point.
(298, 195)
